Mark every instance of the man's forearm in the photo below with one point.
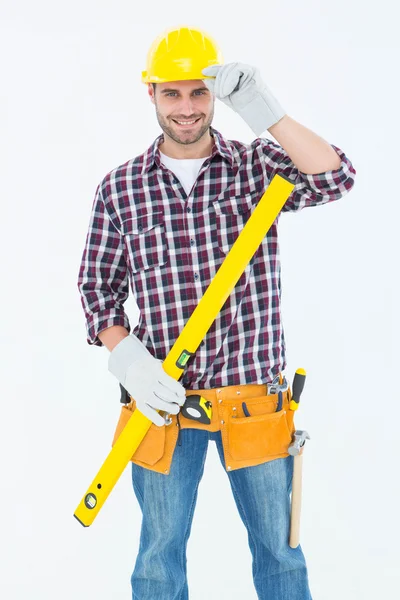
(112, 335)
(309, 152)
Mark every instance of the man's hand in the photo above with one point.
(241, 88)
(144, 378)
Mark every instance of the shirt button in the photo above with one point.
(192, 242)
(176, 180)
(196, 275)
(140, 227)
(202, 343)
(189, 209)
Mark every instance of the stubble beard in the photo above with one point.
(185, 139)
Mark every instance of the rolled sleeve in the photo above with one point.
(310, 189)
(103, 280)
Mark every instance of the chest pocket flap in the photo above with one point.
(142, 223)
(235, 205)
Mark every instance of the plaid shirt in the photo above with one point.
(146, 233)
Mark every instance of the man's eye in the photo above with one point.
(201, 92)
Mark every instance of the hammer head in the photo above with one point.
(299, 439)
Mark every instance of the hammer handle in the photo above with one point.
(296, 501)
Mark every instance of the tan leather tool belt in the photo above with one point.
(247, 440)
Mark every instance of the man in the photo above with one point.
(163, 222)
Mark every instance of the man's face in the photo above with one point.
(183, 101)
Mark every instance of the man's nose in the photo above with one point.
(186, 107)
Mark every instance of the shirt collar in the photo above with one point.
(220, 146)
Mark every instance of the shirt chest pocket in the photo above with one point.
(145, 241)
(231, 215)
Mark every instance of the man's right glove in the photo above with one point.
(144, 378)
(241, 87)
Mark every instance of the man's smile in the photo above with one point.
(186, 124)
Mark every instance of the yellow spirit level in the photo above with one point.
(215, 296)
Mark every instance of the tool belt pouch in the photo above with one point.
(264, 435)
(156, 449)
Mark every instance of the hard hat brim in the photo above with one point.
(180, 76)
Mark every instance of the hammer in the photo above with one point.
(296, 450)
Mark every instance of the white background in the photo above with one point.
(72, 108)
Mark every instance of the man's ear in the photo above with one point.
(151, 91)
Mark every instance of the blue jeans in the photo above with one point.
(167, 502)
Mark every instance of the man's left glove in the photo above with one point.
(144, 378)
(241, 88)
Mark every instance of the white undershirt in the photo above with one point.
(186, 169)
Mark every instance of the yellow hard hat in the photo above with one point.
(180, 54)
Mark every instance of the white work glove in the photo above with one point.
(144, 378)
(241, 88)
